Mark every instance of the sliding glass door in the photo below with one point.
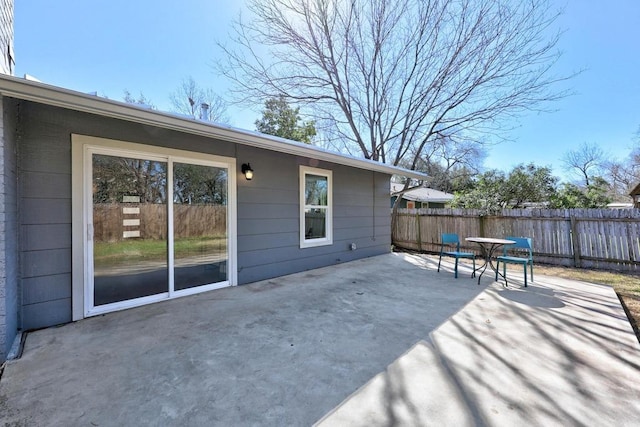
(130, 251)
(199, 225)
(158, 227)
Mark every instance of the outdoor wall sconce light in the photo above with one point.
(247, 171)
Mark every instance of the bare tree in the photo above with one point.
(623, 175)
(189, 99)
(585, 162)
(450, 165)
(142, 100)
(392, 76)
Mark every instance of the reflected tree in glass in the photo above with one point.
(200, 225)
(316, 202)
(129, 228)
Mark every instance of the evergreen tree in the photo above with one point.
(279, 119)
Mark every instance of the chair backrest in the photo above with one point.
(522, 244)
(451, 238)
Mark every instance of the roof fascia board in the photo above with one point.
(64, 98)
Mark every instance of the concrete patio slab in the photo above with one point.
(381, 341)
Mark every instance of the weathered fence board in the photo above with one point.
(589, 238)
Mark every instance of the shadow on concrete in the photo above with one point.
(380, 341)
(534, 296)
(559, 353)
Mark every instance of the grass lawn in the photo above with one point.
(627, 286)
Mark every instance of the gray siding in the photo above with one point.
(45, 198)
(9, 291)
(268, 216)
(268, 223)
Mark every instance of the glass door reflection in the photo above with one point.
(199, 225)
(129, 228)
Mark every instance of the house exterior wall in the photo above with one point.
(44, 158)
(433, 205)
(9, 292)
(269, 212)
(6, 37)
(418, 205)
(268, 239)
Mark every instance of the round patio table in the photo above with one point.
(488, 245)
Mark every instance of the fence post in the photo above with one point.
(419, 232)
(575, 240)
(481, 226)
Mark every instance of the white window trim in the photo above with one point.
(328, 239)
(82, 147)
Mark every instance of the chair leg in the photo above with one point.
(473, 273)
(532, 272)
(497, 268)
(439, 261)
(525, 274)
(456, 269)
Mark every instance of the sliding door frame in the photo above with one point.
(83, 148)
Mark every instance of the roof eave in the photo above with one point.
(59, 97)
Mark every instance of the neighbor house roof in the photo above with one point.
(422, 194)
(619, 205)
(52, 95)
(635, 191)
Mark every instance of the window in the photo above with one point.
(315, 207)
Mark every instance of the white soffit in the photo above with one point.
(52, 95)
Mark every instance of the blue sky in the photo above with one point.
(151, 46)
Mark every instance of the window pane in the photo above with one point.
(200, 225)
(315, 220)
(130, 228)
(316, 189)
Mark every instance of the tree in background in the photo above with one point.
(141, 100)
(486, 193)
(279, 119)
(449, 179)
(529, 184)
(591, 164)
(624, 175)
(586, 162)
(493, 190)
(450, 165)
(188, 99)
(570, 196)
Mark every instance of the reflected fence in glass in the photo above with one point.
(130, 249)
(130, 222)
(200, 225)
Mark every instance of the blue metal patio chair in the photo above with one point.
(522, 247)
(452, 239)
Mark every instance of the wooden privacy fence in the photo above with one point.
(590, 238)
(111, 221)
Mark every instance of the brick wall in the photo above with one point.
(6, 37)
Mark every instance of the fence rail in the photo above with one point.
(590, 238)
